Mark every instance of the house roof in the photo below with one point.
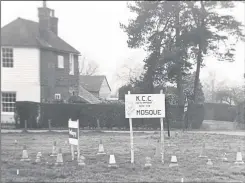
(87, 96)
(92, 83)
(22, 32)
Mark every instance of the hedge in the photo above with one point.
(109, 115)
(241, 113)
(219, 112)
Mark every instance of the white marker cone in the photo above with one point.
(17, 171)
(39, 154)
(224, 159)
(101, 148)
(202, 155)
(173, 161)
(239, 160)
(209, 162)
(54, 150)
(59, 159)
(182, 179)
(38, 158)
(112, 162)
(81, 161)
(148, 162)
(25, 156)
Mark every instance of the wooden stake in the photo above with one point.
(78, 147)
(25, 126)
(49, 124)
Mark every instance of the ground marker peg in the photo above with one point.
(224, 158)
(54, 150)
(148, 162)
(25, 156)
(101, 148)
(112, 162)
(59, 159)
(209, 162)
(239, 160)
(174, 161)
(81, 161)
(202, 155)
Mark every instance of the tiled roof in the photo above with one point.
(87, 96)
(92, 83)
(22, 32)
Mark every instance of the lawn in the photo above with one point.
(186, 146)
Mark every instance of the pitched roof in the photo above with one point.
(22, 32)
(92, 83)
(87, 96)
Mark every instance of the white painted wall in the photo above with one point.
(24, 77)
(104, 90)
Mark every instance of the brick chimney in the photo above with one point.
(47, 21)
(54, 23)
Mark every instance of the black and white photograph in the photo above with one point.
(122, 91)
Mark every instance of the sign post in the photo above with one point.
(145, 106)
(74, 137)
(185, 112)
(162, 135)
(131, 137)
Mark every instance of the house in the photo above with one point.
(97, 85)
(37, 65)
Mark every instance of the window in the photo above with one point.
(57, 96)
(8, 101)
(71, 61)
(60, 62)
(7, 57)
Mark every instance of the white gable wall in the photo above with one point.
(104, 90)
(23, 78)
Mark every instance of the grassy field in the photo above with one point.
(185, 146)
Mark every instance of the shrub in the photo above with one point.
(27, 111)
(196, 115)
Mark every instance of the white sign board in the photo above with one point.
(73, 132)
(145, 106)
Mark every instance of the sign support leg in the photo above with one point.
(162, 135)
(162, 140)
(131, 140)
(72, 152)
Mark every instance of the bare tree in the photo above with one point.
(230, 94)
(210, 87)
(129, 71)
(88, 67)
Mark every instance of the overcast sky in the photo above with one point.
(93, 28)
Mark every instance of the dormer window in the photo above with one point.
(7, 57)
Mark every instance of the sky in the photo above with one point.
(92, 27)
